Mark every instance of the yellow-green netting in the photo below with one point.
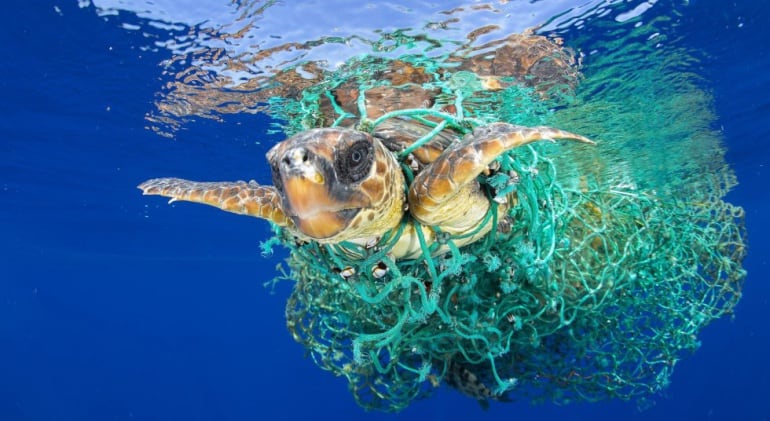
(585, 290)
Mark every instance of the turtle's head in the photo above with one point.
(338, 184)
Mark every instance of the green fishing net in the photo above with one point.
(592, 287)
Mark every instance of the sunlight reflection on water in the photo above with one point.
(246, 29)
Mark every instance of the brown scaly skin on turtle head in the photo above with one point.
(338, 184)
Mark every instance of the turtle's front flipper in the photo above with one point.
(439, 194)
(237, 197)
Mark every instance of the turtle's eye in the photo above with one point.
(354, 163)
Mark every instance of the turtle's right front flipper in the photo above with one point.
(444, 193)
(238, 197)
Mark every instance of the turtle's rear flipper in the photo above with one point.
(238, 197)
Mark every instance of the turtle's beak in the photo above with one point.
(316, 213)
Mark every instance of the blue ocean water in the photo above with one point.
(113, 306)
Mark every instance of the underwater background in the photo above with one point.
(115, 306)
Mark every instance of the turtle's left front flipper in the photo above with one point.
(238, 197)
(439, 194)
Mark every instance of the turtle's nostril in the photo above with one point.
(295, 157)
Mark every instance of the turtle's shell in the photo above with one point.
(525, 59)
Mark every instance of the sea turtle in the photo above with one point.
(338, 184)
(353, 182)
(335, 184)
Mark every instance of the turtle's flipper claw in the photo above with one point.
(237, 197)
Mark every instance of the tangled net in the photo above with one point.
(584, 292)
